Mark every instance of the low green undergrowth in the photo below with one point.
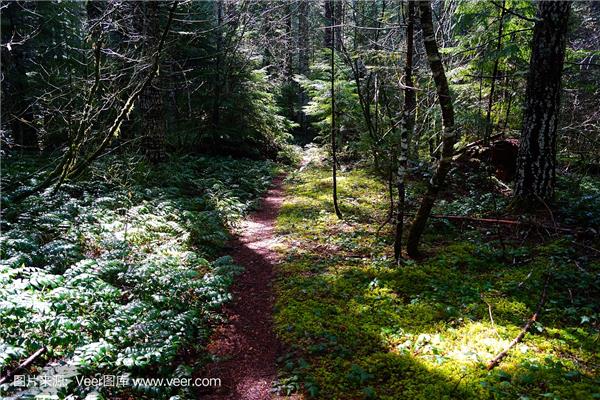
(356, 326)
(123, 272)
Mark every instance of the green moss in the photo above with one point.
(365, 328)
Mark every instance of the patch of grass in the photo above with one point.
(358, 327)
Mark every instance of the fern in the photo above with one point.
(113, 274)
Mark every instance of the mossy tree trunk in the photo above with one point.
(449, 134)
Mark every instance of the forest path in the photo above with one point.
(246, 343)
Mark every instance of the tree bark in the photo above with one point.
(536, 164)
(338, 12)
(303, 44)
(216, 111)
(407, 128)
(449, 133)
(289, 64)
(328, 36)
(334, 161)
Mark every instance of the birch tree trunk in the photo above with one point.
(449, 134)
(536, 164)
(407, 128)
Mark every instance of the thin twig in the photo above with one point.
(585, 246)
(491, 317)
(496, 360)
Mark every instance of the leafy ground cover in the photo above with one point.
(123, 272)
(356, 326)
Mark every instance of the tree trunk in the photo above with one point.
(328, 36)
(537, 151)
(216, 114)
(338, 12)
(289, 65)
(408, 124)
(488, 117)
(290, 100)
(153, 125)
(334, 161)
(449, 132)
(303, 44)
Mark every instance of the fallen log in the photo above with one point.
(476, 143)
(513, 222)
(496, 360)
(24, 364)
(473, 219)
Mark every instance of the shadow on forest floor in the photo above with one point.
(357, 326)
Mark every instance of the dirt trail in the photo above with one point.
(246, 343)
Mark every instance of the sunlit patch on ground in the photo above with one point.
(356, 326)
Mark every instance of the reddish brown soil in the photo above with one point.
(246, 344)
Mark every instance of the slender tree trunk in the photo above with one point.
(153, 125)
(408, 124)
(480, 102)
(289, 66)
(449, 133)
(303, 44)
(415, 141)
(334, 161)
(338, 12)
(488, 118)
(328, 36)
(537, 151)
(216, 111)
(509, 90)
(364, 100)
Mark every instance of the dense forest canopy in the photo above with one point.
(431, 181)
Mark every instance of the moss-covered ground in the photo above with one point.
(357, 326)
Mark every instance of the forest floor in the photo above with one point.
(246, 345)
(124, 271)
(354, 325)
(320, 310)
